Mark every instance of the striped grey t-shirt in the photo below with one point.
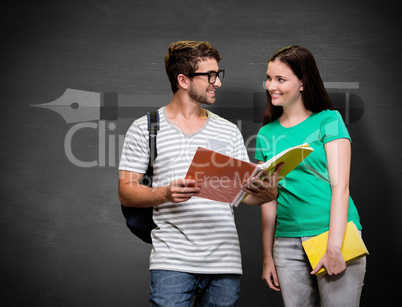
(197, 236)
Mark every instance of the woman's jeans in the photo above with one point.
(178, 289)
(300, 288)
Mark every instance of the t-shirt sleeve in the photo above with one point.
(260, 144)
(135, 152)
(240, 151)
(333, 128)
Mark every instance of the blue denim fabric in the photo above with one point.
(171, 288)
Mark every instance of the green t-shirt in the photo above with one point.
(304, 199)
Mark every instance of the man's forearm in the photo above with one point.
(141, 196)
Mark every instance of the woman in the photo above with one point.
(314, 197)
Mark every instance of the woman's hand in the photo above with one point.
(269, 275)
(333, 262)
(264, 190)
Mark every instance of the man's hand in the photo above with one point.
(133, 194)
(262, 191)
(181, 190)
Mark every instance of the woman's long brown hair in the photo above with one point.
(314, 95)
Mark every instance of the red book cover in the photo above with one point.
(219, 176)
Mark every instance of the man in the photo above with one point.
(196, 248)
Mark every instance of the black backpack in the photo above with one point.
(139, 220)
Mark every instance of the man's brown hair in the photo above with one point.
(183, 57)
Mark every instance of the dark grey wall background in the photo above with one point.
(63, 239)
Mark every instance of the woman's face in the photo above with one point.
(283, 85)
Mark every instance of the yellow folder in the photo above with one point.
(353, 247)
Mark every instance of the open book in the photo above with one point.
(221, 177)
(353, 247)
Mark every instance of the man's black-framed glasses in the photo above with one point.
(212, 75)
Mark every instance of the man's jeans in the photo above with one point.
(300, 288)
(171, 288)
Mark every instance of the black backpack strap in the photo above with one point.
(153, 127)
